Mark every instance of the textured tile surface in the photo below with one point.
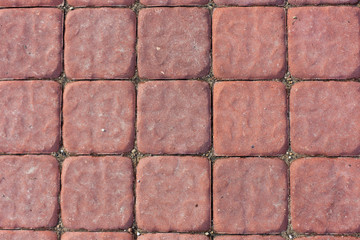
(97, 193)
(174, 117)
(303, 2)
(27, 3)
(325, 195)
(96, 236)
(249, 43)
(29, 187)
(251, 237)
(325, 118)
(172, 236)
(173, 2)
(249, 2)
(27, 235)
(30, 43)
(324, 42)
(250, 118)
(250, 195)
(101, 114)
(173, 194)
(174, 43)
(30, 116)
(100, 2)
(100, 43)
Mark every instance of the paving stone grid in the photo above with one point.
(296, 160)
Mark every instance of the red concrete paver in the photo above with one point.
(172, 236)
(28, 3)
(174, 117)
(325, 195)
(100, 43)
(250, 195)
(30, 116)
(250, 118)
(27, 235)
(249, 43)
(323, 42)
(100, 2)
(97, 193)
(249, 2)
(96, 236)
(173, 194)
(316, 2)
(29, 187)
(251, 237)
(174, 43)
(101, 114)
(325, 117)
(328, 238)
(30, 43)
(173, 2)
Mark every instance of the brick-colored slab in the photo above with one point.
(325, 118)
(173, 2)
(173, 194)
(30, 43)
(96, 236)
(252, 237)
(325, 195)
(316, 2)
(97, 193)
(27, 3)
(172, 236)
(30, 116)
(324, 42)
(174, 43)
(100, 2)
(99, 117)
(250, 195)
(328, 238)
(249, 2)
(27, 235)
(29, 187)
(250, 118)
(100, 43)
(249, 43)
(174, 117)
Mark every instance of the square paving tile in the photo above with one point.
(249, 2)
(29, 3)
(100, 2)
(96, 236)
(27, 235)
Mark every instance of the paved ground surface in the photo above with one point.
(179, 119)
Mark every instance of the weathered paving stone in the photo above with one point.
(172, 236)
(96, 236)
(249, 43)
(100, 43)
(174, 117)
(99, 117)
(28, 3)
(30, 116)
(325, 117)
(27, 235)
(250, 118)
(29, 187)
(249, 2)
(173, 2)
(173, 194)
(323, 42)
(100, 2)
(250, 195)
(325, 195)
(97, 193)
(253, 237)
(328, 238)
(315, 2)
(30, 43)
(174, 43)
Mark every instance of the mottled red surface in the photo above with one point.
(30, 116)
(325, 117)
(100, 2)
(325, 195)
(328, 238)
(173, 194)
(324, 42)
(29, 187)
(100, 43)
(173, 2)
(96, 236)
(303, 2)
(30, 43)
(249, 43)
(174, 43)
(250, 195)
(250, 118)
(174, 117)
(26, 3)
(27, 235)
(97, 193)
(251, 237)
(101, 114)
(172, 236)
(249, 2)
